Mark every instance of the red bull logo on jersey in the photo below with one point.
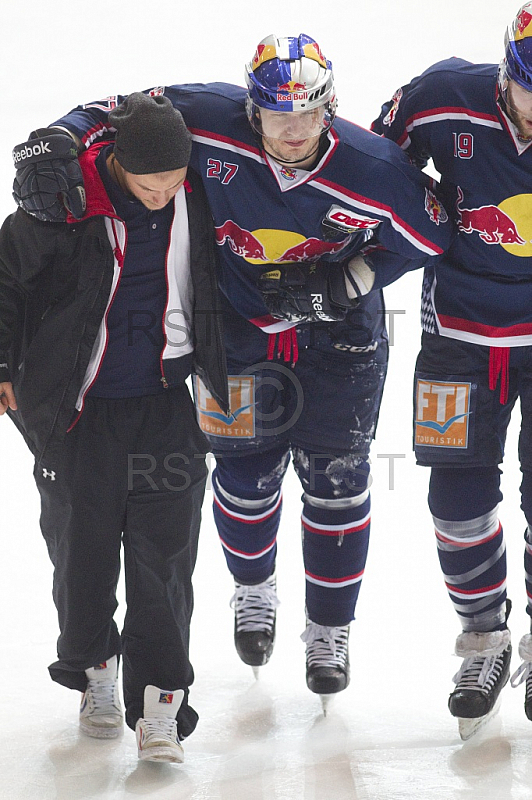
(274, 246)
(434, 208)
(310, 250)
(493, 225)
(157, 91)
(442, 414)
(240, 423)
(392, 113)
(241, 241)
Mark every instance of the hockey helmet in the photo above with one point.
(517, 63)
(290, 74)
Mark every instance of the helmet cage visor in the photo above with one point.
(290, 125)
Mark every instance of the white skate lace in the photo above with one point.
(479, 673)
(326, 647)
(255, 605)
(523, 673)
(101, 698)
(160, 728)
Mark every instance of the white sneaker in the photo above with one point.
(100, 713)
(157, 737)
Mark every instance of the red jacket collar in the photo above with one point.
(97, 200)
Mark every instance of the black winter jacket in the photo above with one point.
(55, 284)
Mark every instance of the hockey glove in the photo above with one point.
(306, 293)
(49, 179)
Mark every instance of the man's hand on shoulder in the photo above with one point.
(7, 398)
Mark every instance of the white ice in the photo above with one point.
(389, 736)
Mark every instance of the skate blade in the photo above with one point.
(256, 672)
(467, 728)
(326, 700)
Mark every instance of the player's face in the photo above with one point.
(519, 103)
(155, 190)
(292, 137)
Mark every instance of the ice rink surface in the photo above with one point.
(389, 736)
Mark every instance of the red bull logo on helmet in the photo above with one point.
(264, 52)
(292, 86)
(287, 98)
(312, 50)
(524, 18)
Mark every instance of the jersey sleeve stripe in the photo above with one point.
(369, 206)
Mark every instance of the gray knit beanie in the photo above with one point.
(151, 135)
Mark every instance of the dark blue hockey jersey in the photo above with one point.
(362, 187)
(481, 290)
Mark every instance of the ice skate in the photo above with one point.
(327, 660)
(156, 731)
(524, 672)
(254, 608)
(484, 672)
(100, 713)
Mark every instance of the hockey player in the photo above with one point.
(93, 373)
(295, 193)
(475, 122)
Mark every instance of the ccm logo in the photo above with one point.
(27, 152)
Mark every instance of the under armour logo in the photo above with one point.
(47, 474)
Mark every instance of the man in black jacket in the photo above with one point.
(101, 322)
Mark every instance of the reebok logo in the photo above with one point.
(317, 305)
(24, 152)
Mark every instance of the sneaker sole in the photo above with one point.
(100, 732)
(162, 754)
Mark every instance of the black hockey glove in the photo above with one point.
(306, 293)
(49, 179)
